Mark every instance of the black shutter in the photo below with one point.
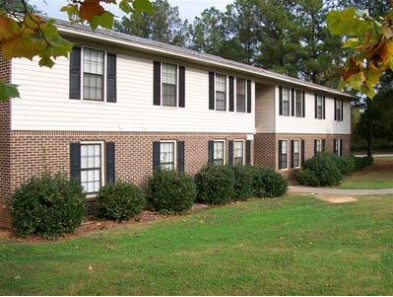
(334, 146)
(280, 99)
(156, 155)
(75, 161)
(180, 156)
(111, 78)
(341, 147)
(230, 152)
(293, 102)
(292, 146)
(110, 162)
(211, 90)
(249, 95)
(231, 94)
(157, 83)
(323, 144)
(315, 146)
(342, 110)
(248, 152)
(279, 154)
(303, 151)
(316, 106)
(182, 86)
(211, 152)
(75, 73)
(335, 109)
(324, 108)
(304, 104)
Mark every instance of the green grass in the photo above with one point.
(374, 179)
(288, 246)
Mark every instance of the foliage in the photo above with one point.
(268, 183)
(243, 182)
(120, 201)
(324, 169)
(370, 40)
(215, 184)
(346, 164)
(307, 177)
(363, 162)
(23, 33)
(47, 205)
(171, 191)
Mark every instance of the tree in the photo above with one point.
(24, 33)
(164, 24)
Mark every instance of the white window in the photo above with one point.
(299, 101)
(320, 107)
(296, 154)
(167, 155)
(317, 146)
(338, 104)
(91, 167)
(337, 147)
(93, 74)
(238, 152)
(169, 84)
(221, 92)
(218, 153)
(240, 95)
(285, 101)
(283, 154)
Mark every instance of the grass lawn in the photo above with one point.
(294, 245)
(378, 176)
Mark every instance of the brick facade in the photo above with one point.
(5, 129)
(266, 147)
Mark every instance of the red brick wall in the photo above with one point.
(5, 128)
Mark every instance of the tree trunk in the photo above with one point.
(370, 140)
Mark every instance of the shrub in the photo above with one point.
(324, 169)
(346, 164)
(120, 201)
(170, 191)
(363, 162)
(215, 184)
(48, 205)
(268, 183)
(243, 176)
(307, 177)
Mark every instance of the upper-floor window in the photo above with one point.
(240, 95)
(169, 84)
(221, 92)
(295, 153)
(283, 154)
(299, 102)
(92, 75)
(238, 152)
(338, 109)
(319, 106)
(285, 99)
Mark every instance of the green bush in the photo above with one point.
(346, 164)
(243, 182)
(307, 177)
(324, 168)
(170, 191)
(48, 205)
(215, 184)
(120, 201)
(363, 162)
(268, 183)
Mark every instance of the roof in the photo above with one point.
(160, 48)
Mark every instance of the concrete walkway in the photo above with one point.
(331, 191)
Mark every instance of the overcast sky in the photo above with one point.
(188, 8)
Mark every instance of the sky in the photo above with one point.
(188, 8)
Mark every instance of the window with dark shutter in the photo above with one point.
(211, 90)
(111, 78)
(280, 101)
(248, 152)
(110, 162)
(293, 107)
(341, 147)
(180, 156)
(304, 104)
(75, 161)
(283, 154)
(303, 152)
(182, 86)
(75, 73)
(156, 83)
(211, 152)
(230, 152)
(156, 155)
(231, 94)
(249, 94)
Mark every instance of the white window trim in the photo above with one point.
(244, 150)
(320, 141)
(226, 92)
(323, 107)
(104, 75)
(90, 196)
(282, 104)
(224, 155)
(338, 141)
(288, 165)
(300, 153)
(177, 86)
(301, 103)
(235, 93)
(340, 103)
(174, 151)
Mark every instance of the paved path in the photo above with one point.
(312, 190)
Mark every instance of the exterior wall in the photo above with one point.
(265, 117)
(5, 128)
(45, 104)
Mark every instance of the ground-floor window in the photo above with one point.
(91, 167)
(283, 154)
(167, 155)
(218, 152)
(317, 146)
(238, 152)
(295, 153)
(337, 147)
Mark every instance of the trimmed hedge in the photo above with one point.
(307, 177)
(243, 179)
(171, 191)
(215, 184)
(268, 183)
(120, 201)
(48, 205)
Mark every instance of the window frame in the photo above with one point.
(321, 98)
(302, 100)
(280, 154)
(218, 74)
(103, 76)
(102, 165)
(176, 85)
(298, 153)
(282, 105)
(337, 141)
(223, 152)
(174, 142)
(339, 110)
(318, 140)
(243, 151)
(244, 95)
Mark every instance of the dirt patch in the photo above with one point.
(336, 198)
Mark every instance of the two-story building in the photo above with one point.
(121, 106)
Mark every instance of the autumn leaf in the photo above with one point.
(90, 9)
